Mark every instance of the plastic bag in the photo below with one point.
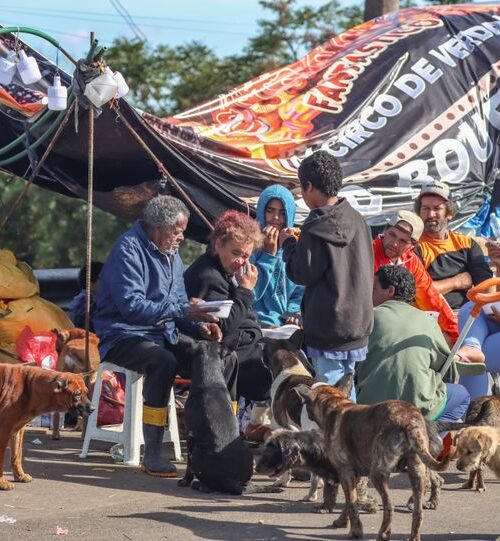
(39, 348)
(112, 399)
(17, 280)
(40, 315)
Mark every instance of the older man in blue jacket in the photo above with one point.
(142, 306)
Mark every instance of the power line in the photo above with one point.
(120, 8)
(115, 16)
(96, 21)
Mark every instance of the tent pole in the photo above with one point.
(90, 197)
(39, 165)
(164, 171)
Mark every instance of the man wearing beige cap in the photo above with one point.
(395, 246)
(455, 262)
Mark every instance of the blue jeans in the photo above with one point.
(330, 371)
(484, 335)
(457, 402)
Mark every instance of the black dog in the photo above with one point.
(285, 450)
(217, 455)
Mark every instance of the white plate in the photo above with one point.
(223, 308)
(280, 333)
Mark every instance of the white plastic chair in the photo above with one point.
(129, 434)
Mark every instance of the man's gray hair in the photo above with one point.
(164, 209)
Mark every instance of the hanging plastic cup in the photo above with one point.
(101, 89)
(57, 95)
(123, 88)
(28, 69)
(8, 67)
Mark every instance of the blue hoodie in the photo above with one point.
(275, 294)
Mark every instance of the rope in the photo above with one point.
(90, 201)
(35, 172)
(164, 171)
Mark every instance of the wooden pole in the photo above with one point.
(376, 8)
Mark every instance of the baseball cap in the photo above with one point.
(436, 188)
(415, 222)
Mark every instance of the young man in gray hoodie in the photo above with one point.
(333, 259)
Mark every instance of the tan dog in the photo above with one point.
(70, 346)
(374, 440)
(478, 445)
(482, 411)
(25, 393)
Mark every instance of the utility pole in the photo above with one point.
(375, 8)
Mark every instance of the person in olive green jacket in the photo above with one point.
(406, 350)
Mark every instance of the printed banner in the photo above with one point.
(400, 100)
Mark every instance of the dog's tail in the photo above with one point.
(442, 426)
(420, 443)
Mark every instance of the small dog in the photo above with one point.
(285, 450)
(25, 393)
(70, 347)
(374, 440)
(478, 445)
(217, 455)
(482, 411)
(287, 364)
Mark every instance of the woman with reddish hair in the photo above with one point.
(224, 272)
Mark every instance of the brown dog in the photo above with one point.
(70, 346)
(25, 393)
(374, 440)
(478, 445)
(482, 411)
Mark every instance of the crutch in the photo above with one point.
(479, 299)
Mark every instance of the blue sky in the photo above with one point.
(224, 25)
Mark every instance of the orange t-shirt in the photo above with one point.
(427, 296)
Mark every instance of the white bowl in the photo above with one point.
(280, 333)
(223, 308)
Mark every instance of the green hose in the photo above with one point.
(42, 120)
(39, 141)
(47, 115)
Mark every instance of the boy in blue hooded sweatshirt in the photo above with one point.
(276, 295)
(277, 298)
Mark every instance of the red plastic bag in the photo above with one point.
(111, 401)
(39, 348)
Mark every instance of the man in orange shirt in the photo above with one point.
(395, 246)
(454, 262)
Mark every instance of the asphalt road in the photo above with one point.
(95, 499)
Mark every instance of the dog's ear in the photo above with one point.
(345, 384)
(303, 392)
(484, 444)
(231, 342)
(290, 453)
(60, 384)
(297, 338)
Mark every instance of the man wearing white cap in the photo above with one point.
(395, 246)
(455, 262)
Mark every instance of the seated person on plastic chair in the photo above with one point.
(141, 308)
